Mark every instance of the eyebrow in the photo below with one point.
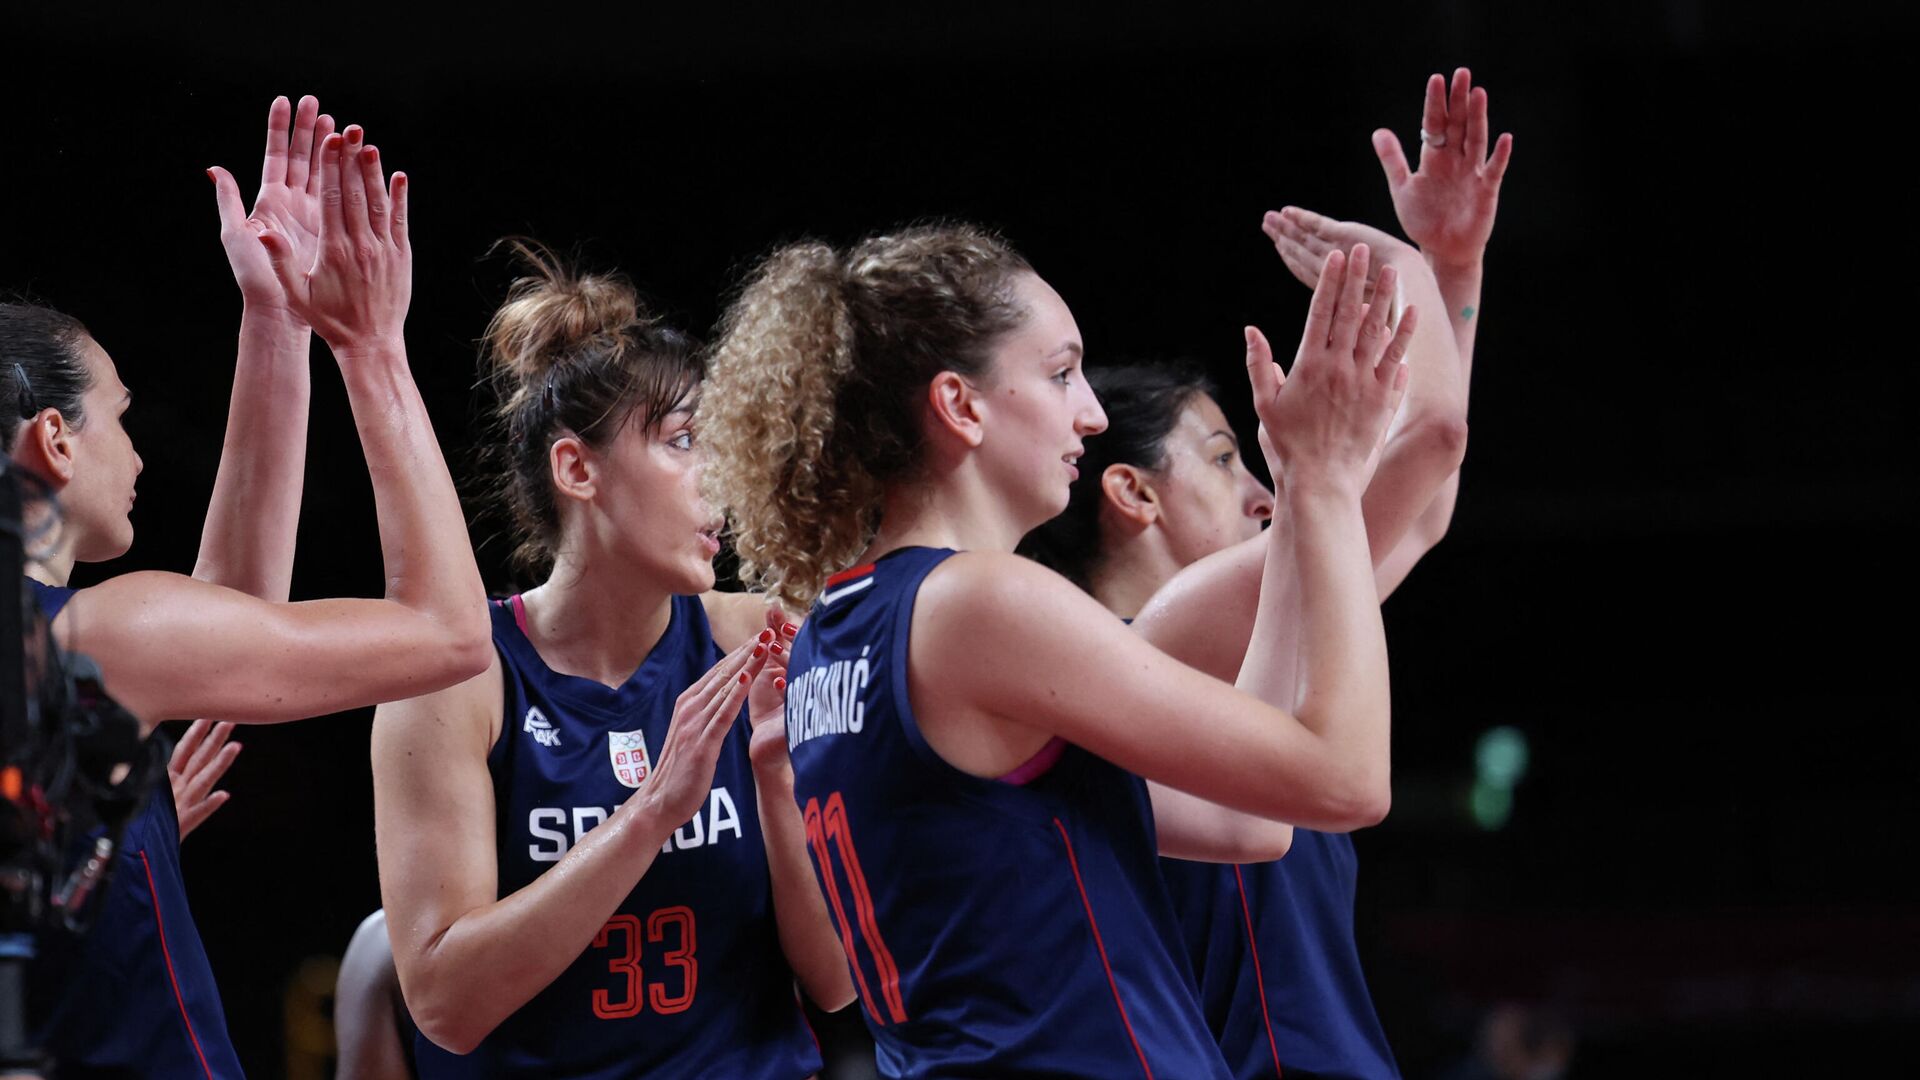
(1073, 347)
(1228, 435)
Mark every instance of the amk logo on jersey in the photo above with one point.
(541, 728)
(628, 751)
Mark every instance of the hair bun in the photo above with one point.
(554, 312)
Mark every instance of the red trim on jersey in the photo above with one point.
(849, 575)
(1258, 981)
(167, 955)
(1036, 766)
(519, 612)
(1101, 945)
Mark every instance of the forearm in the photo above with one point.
(1459, 286)
(247, 542)
(490, 961)
(1332, 654)
(807, 934)
(423, 535)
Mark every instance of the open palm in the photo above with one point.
(288, 202)
(1447, 205)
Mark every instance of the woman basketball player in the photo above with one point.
(582, 875)
(970, 732)
(137, 993)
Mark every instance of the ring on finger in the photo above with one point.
(1436, 139)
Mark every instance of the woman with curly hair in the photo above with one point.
(987, 760)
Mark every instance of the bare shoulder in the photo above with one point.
(994, 588)
(735, 616)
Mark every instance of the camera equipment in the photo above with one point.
(73, 771)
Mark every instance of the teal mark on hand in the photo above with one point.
(1466, 313)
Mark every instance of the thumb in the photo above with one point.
(226, 197)
(280, 257)
(1386, 146)
(1264, 375)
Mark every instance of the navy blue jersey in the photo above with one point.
(687, 977)
(1280, 976)
(137, 994)
(993, 927)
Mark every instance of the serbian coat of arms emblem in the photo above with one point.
(628, 752)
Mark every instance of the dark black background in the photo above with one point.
(1678, 560)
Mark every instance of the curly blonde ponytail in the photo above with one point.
(807, 413)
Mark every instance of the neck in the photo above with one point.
(955, 509)
(1130, 573)
(52, 567)
(596, 625)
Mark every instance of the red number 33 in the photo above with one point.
(627, 963)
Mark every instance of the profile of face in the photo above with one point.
(95, 465)
(1039, 409)
(1207, 499)
(644, 504)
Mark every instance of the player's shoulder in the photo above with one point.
(981, 590)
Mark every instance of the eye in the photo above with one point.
(1225, 460)
(682, 441)
(1064, 376)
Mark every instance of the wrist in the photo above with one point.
(372, 348)
(272, 317)
(1456, 267)
(1320, 486)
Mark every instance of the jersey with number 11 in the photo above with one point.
(994, 927)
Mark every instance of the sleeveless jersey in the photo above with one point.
(1280, 976)
(137, 993)
(1012, 928)
(687, 977)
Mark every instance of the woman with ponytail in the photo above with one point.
(988, 761)
(588, 868)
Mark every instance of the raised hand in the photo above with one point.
(1304, 239)
(702, 715)
(200, 759)
(767, 698)
(355, 290)
(288, 202)
(1327, 417)
(1447, 206)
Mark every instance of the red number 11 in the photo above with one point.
(830, 826)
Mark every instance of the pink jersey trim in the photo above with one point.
(1036, 766)
(519, 611)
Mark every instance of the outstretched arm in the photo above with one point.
(171, 647)
(248, 540)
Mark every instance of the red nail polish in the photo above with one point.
(766, 635)
(789, 629)
(210, 176)
(759, 651)
(779, 683)
(777, 650)
(743, 678)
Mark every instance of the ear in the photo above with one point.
(957, 407)
(45, 447)
(1127, 490)
(573, 469)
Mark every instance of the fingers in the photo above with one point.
(333, 223)
(1497, 166)
(353, 184)
(207, 748)
(300, 148)
(1346, 319)
(322, 127)
(201, 778)
(1393, 160)
(376, 185)
(397, 211)
(273, 169)
(1263, 374)
(1326, 298)
(1457, 108)
(233, 217)
(1393, 362)
(1477, 126)
(190, 739)
(1373, 323)
(1433, 117)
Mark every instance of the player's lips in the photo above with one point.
(1073, 462)
(710, 539)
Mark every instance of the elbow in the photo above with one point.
(836, 995)
(1442, 435)
(466, 649)
(447, 1023)
(1365, 804)
(449, 1035)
